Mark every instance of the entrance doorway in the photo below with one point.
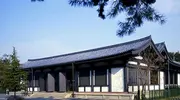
(69, 85)
(56, 77)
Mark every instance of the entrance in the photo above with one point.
(69, 85)
(56, 77)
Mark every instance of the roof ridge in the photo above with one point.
(160, 43)
(104, 47)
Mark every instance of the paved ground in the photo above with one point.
(57, 99)
(3, 96)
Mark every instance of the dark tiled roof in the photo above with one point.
(175, 63)
(160, 46)
(88, 54)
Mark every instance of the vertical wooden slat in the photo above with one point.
(73, 80)
(109, 79)
(92, 81)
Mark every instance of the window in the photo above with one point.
(132, 76)
(154, 77)
(84, 78)
(101, 77)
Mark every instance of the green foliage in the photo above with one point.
(12, 77)
(137, 12)
(175, 56)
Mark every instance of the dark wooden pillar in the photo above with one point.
(173, 77)
(32, 80)
(126, 78)
(109, 79)
(73, 80)
(138, 80)
(76, 79)
(92, 81)
(56, 79)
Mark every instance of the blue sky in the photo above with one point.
(53, 27)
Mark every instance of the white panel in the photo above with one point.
(117, 79)
(135, 88)
(178, 79)
(130, 88)
(139, 57)
(88, 89)
(132, 62)
(156, 87)
(146, 87)
(104, 89)
(81, 89)
(140, 87)
(96, 89)
(36, 88)
(151, 87)
(161, 80)
(30, 89)
(143, 64)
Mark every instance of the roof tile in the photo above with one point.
(88, 54)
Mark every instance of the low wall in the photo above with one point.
(151, 87)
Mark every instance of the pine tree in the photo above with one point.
(13, 77)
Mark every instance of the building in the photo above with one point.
(124, 67)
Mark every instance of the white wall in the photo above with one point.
(178, 79)
(35, 89)
(117, 79)
(81, 89)
(162, 80)
(135, 88)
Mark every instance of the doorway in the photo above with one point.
(56, 77)
(69, 83)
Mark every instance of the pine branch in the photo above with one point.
(86, 3)
(116, 8)
(137, 11)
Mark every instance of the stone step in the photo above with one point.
(53, 95)
(105, 96)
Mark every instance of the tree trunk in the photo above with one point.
(15, 92)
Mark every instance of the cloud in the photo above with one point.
(168, 6)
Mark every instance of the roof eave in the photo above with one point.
(140, 49)
(85, 61)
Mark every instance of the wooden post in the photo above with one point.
(168, 78)
(138, 65)
(159, 81)
(73, 81)
(32, 79)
